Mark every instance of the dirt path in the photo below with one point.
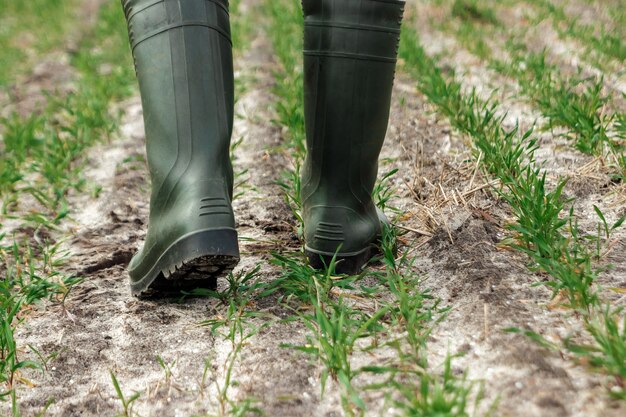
(102, 328)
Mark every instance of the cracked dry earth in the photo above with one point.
(102, 328)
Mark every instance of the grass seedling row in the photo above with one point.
(599, 42)
(30, 29)
(578, 103)
(544, 228)
(42, 160)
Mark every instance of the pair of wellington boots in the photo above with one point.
(183, 60)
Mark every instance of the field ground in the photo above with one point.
(501, 302)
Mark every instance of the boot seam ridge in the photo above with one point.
(346, 25)
(189, 23)
(350, 55)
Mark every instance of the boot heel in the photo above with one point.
(351, 264)
(196, 260)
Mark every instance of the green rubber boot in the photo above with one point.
(350, 52)
(183, 59)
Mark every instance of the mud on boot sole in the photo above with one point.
(194, 261)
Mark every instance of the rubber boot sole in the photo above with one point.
(194, 261)
(349, 264)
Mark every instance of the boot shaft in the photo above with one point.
(183, 60)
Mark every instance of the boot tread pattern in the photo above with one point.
(201, 272)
